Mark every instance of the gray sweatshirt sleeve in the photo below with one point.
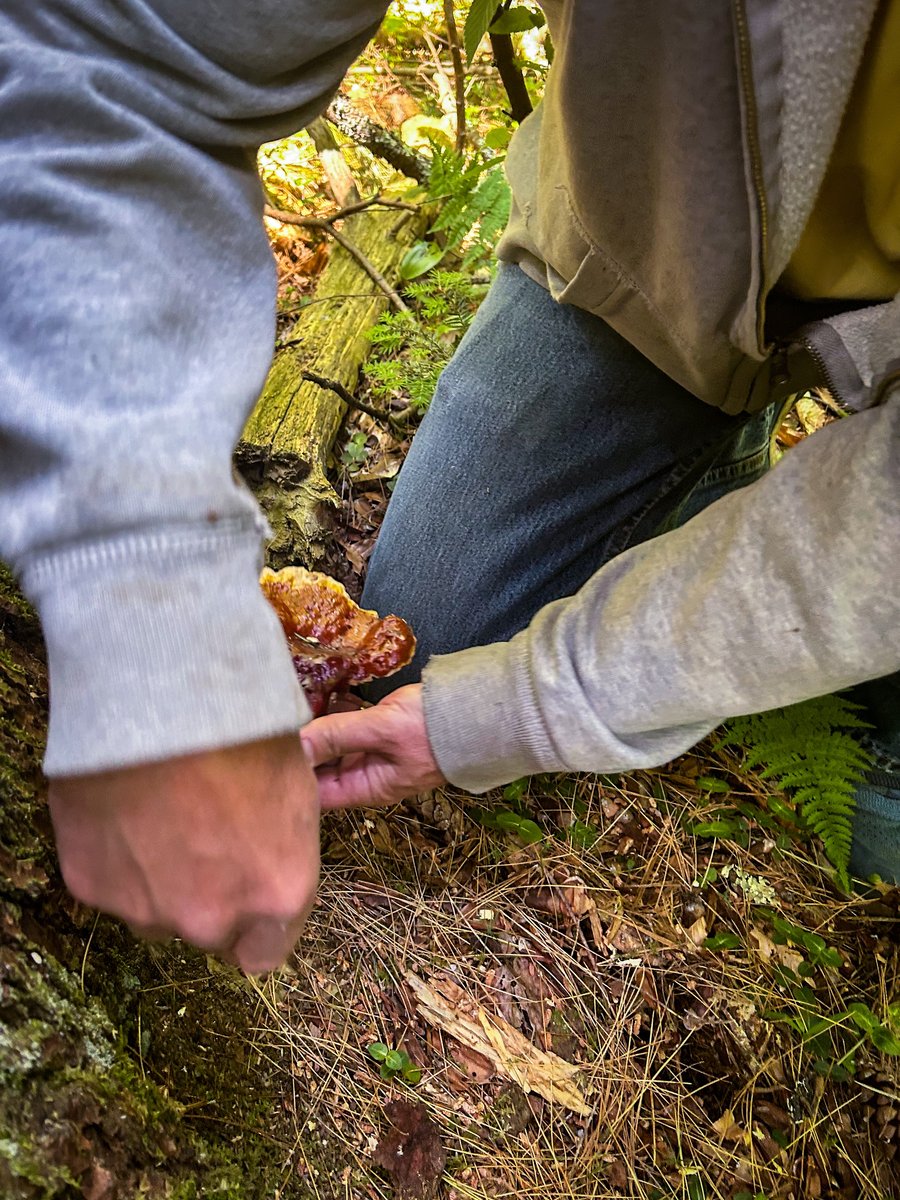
(136, 326)
(785, 590)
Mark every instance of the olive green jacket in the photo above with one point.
(663, 184)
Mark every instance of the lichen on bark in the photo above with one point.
(125, 1069)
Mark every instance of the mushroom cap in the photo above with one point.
(334, 643)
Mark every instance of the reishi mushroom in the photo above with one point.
(334, 643)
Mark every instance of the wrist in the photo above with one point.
(160, 646)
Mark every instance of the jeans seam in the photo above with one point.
(678, 473)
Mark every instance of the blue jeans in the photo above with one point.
(551, 446)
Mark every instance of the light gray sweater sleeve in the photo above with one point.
(136, 326)
(784, 590)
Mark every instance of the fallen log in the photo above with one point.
(283, 453)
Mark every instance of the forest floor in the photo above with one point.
(587, 987)
(638, 986)
(574, 988)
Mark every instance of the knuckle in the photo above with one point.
(81, 884)
(208, 930)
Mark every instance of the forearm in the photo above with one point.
(784, 590)
(136, 308)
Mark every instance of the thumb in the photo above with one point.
(339, 734)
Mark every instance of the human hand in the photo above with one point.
(378, 755)
(219, 848)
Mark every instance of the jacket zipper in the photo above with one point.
(822, 366)
(756, 167)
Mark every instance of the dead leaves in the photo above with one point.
(445, 1005)
(411, 1151)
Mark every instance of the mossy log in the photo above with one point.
(125, 1070)
(285, 447)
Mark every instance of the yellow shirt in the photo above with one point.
(850, 248)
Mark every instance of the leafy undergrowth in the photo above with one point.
(601, 1002)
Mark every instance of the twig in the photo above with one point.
(332, 385)
(511, 74)
(327, 225)
(337, 298)
(459, 75)
(376, 201)
(370, 269)
(408, 71)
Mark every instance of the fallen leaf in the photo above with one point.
(699, 931)
(443, 1003)
(617, 1174)
(810, 415)
(478, 1069)
(571, 903)
(727, 1128)
(411, 1151)
(787, 956)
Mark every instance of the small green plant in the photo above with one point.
(475, 201)
(394, 1064)
(832, 1040)
(411, 349)
(509, 820)
(818, 952)
(809, 750)
(504, 820)
(355, 452)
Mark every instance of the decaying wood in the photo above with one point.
(329, 225)
(445, 1005)
(285, 446)
(340, 180)
(376, 139)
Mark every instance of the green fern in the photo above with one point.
(475, 201)
(807, 749)
(411, 349)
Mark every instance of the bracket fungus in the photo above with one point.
(334, 643)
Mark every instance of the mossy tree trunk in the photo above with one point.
(125, 1069)
(286, 444)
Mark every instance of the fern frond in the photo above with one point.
(411, 349)
(808, 750)
(475, 202)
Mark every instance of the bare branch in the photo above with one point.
(327, 225)
(459, 75)
(332, 385)
(370, 269)
(376, 139)
(376, 201)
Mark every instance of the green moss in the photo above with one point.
(26, 1164)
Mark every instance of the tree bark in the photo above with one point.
(285, 447)
(459, 75)
(125, 1070)
(376, 139)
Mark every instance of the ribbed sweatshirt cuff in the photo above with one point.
(482, 718)
(158, 646)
